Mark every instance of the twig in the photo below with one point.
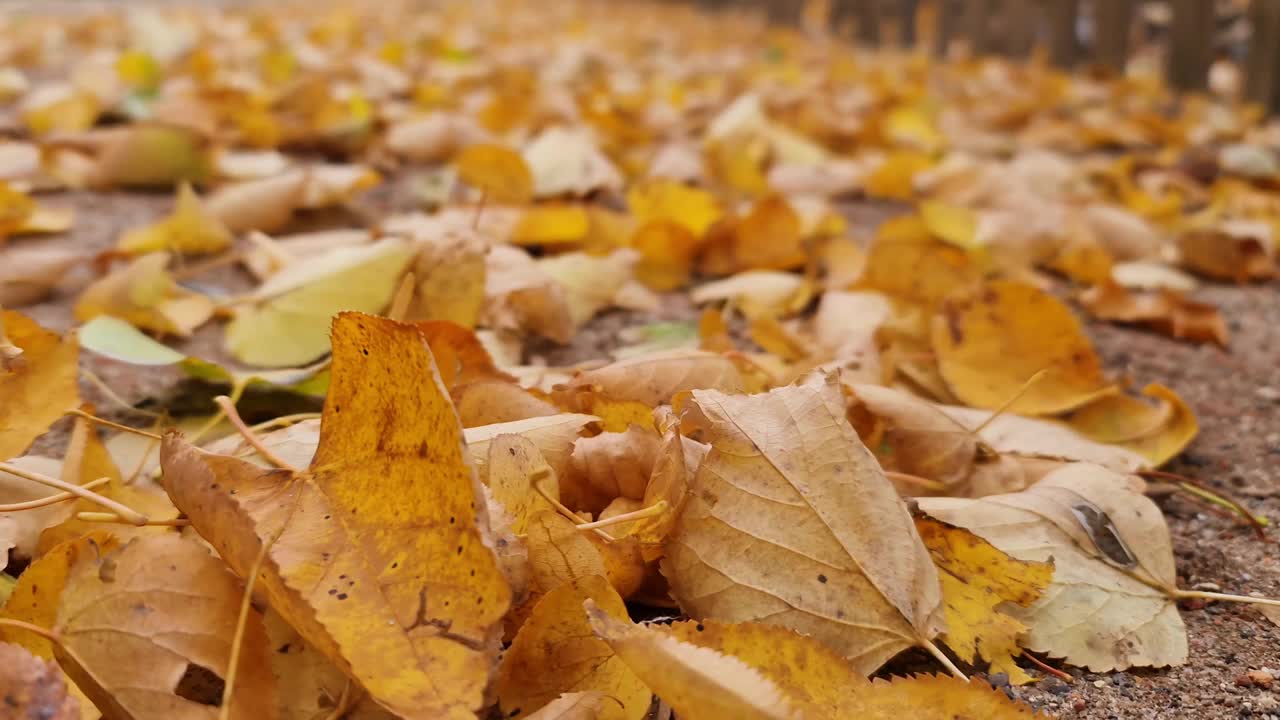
(113, 518)
(942, 658)
(1225, 597)
(1004, 407)
(1197, 489)
(107, 423)
(1064, 677)
(129, 515)
(52, 499)
(111, 395)
(926, 483)
(652, 511)
(251, 437)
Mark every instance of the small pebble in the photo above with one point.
(998, 680)
(1079, 704)
(1099, 683)
(1266, 392)
(1261, 678)
(1121, 680)
(1209, 586)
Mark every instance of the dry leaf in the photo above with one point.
(488, 402)
(1225, 255)
(556, 652)
(789, 520)
(990, 346)
(265, 204)
(1166, 311)
(40, 383)
(153, 155)
(146, 295)
(29, 273)
(553, 435)
(696, 681)
(498, 172)
(189, 230)
(567, 162)
(696, 209)
(520, 295)
(1110, 605)
(33, 688)
(935, 696)
(609, 466)
(1010, 434)
(573, 706)
(449, 271)
(409, 581)
(976, 580)
(654, 379)
(139, 649)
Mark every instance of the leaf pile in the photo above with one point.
(841, 440)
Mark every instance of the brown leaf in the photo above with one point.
(790, 521)
(654, 379)
(1166, 311)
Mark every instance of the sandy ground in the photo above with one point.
(1236, 394)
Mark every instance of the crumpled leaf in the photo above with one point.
(146, 295)
(787, 521)
(1166, 311)
(287, 322)
(123, 605)
(189, 230)
(553, 435)
(556, 652)
(40, 383)
(449, 271)
(29, 273)
(567, 162)
(609, 466)
(990, 346)
(520, 295)
(402, 590)
(1227, 255)
(654, 379)
(33, 688)
(1110, 605)
(977, 579)
(696, 681)
(488, 402)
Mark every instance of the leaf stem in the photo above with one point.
(238, 388)
(652, 511)
(935, 651)
(52, 499)
(1004, 407)
(113, 518)
(129, 515)
(228, 407)
(1064, 677)
(107, 423)
(926, 483)
(284, 421)
(50, 635)
(538, 477)
(1197, 489)
(1225, 597)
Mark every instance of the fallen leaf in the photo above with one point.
(990, 346)
(28, 274)
(696, 681)
(412, 583)
(460, 356)
(146, 295)
(567, 162)
(559, 553)
(590, 283)
(189, 230)
(1224, 255)
(977, 579)
(769, 237)
(553, 435)
(787, 521)
(935, 696)
(124, 605)
(33, 688)
(1173, 436)
(288, 320)
(488, 402)
(153, 155)
(573, 706)
(1010, 434)
(667, 253)
(756, 293)
(654, 379)
(40, 385)
(498, 172)
(609, 466)
(1110, 604)
(521, 296)
(514, 465)
(657, 200)
(553, 224)
(1166, 311)
(906, 262)
(265, 204)
(556, 652)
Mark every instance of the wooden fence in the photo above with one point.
(1075, 33)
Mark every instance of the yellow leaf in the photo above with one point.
(769, 237)
(1174, 436)
(559, 553)
(154, 155)
(953, 224)
(934, 696)
(145, 294)
(573, 706)
(460, 357)
(699, 683)
(552, 225)
(1119, 418)
(514, 466)
(667, 250)
(450, 278)
(976, 579)
(381, 562)
(894, 179)
(654, 379)
(907, 263)
(129, 637)
(498, 171)
(59, 108)
(786, 520)
(911, 126)
(990, 346)
(697, 210)
(556, 652)
(138, 69)
(15, 209)
(35, 598)
(287, 325)
(265, 204)
(40, 383)
(486, 402)
(189, 230)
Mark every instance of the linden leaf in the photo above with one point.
(1111, 602)
(152, 155)
(1166, 311)
(382, 561)
(991, 345)
(146, 295)
(144, 633)
(696, 681)
(976, 580)
(40, 384)
(940, 697)
(556, 652)
(568, 162)
(696, 209)
(654, 379)
(789, 520)
(29, 274)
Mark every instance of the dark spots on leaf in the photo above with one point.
(514, 713)
(326, 517)
(342, 596)
(283, 649)
(214, 486)
(822, 579)
(479, 601)
(364, 351)
(700, 627)
(473, 573)
(333, 591)
(337, 408)
(511, 451)
(342, 577)
(459, 549)
(395, 565)
(840, 614)
(423, 449)
(452, 520)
